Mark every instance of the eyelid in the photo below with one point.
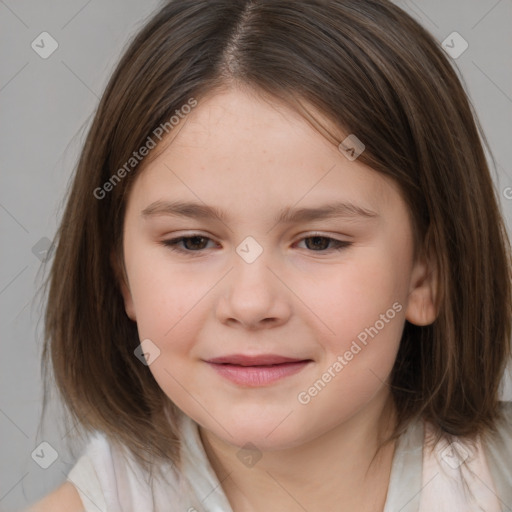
(338, 244)
(176, 239)
(310, 234)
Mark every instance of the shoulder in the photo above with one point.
(498, 442)
(83, 477)
(498, 448)
(65, 499)
(85, 485)
(107, 477)
(469, 473)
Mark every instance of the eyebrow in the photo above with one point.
(286, 215)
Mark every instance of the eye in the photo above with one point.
(194, 243)
(319, 243)
(198, 243)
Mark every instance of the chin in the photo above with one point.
(266, 434)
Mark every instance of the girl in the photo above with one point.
(282, 280)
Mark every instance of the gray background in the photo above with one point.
(46, 105)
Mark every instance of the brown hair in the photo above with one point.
(375, 72)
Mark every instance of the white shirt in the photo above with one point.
(422, 480)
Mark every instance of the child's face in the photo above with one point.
(300, 298)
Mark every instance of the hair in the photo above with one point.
(373, 71)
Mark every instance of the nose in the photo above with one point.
(253, 297)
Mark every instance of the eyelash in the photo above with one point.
(173, 244)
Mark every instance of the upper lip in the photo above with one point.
(260, 360)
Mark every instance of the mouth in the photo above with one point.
(257, 371)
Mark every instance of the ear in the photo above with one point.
(421, 306)
(122, 281)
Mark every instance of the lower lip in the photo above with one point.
(254, 376)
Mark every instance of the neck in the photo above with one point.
(346, 468)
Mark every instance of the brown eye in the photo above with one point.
(317, 243)
(194, 243)
(188, 244)
(324, 244)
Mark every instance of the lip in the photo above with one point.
(259, 360)
(256, 371)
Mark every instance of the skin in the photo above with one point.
(250, 156)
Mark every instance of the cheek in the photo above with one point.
(171, 305)
(364, 307)
(357, 295)
(165, 297)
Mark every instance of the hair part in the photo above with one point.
(373, 71)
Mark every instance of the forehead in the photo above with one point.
(237, 148)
